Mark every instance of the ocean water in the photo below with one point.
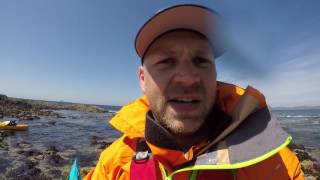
(77, 128)
(77, 135)
(74, 134)
(302, 125)
(110, 108)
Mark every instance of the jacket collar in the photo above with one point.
(131, 118)
(236, 102)
(161, 137)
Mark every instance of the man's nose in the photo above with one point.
(186, 75)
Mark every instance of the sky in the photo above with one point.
(83, 51)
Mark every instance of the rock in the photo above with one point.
(52, 123)
(56, 173)
(3, 134)
(294, 146)
(316, 154)
(22, 145)
(52, 149)
(104, 144)
(27, 117)
(55, 160)
(87, 108)
(24, 109)
(6, 134)
(39, 157)
(303, 155)
(309, 168)
(94, 137)
(35, 172)
(309, 164)
(310, 178)
(94, 140)
(25, 171)
(316, 166)
(31, 164)
(46, 113)
(3, 142)
(4, 163)
(3, 97)
(29, 153)
(36, 117)
(57, 116)
(85, 170)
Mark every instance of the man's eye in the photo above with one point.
(202, 62)
(166, 61)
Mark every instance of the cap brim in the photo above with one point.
(187, 16)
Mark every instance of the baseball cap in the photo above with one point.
(184, 16)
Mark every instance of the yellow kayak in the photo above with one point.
(8, 126)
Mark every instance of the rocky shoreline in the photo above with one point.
(26, 160)
(309, 164)
(50, 163)
(26, 109)
(33, 163)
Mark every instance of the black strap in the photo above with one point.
(142, 150)
(12, 123)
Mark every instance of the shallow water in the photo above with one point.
(77, 135)
(75, 130)
(82, 136)
(303, 125)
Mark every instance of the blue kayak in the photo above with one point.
(74, 171)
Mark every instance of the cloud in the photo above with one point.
(295, 82)
(290, 79)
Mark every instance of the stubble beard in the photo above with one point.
(180, 124)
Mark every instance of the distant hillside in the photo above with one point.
(110, 107)
(32, 109)
(297, 108)
(59, 105)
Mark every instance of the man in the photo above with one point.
(188, 125)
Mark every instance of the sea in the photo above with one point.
(302, 125)
(83, 135)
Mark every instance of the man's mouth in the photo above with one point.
(184, 100)
(184, 105)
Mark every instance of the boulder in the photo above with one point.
(27, 117)
(308, 168)
(52, 123)
(104, 144)
(303, 155)
(3, 97)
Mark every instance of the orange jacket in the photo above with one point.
(114, 162)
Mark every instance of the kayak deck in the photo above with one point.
(19, 127)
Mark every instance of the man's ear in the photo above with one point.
(141, 79)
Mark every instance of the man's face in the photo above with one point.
(178, 78)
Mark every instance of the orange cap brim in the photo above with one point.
(187, 16)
